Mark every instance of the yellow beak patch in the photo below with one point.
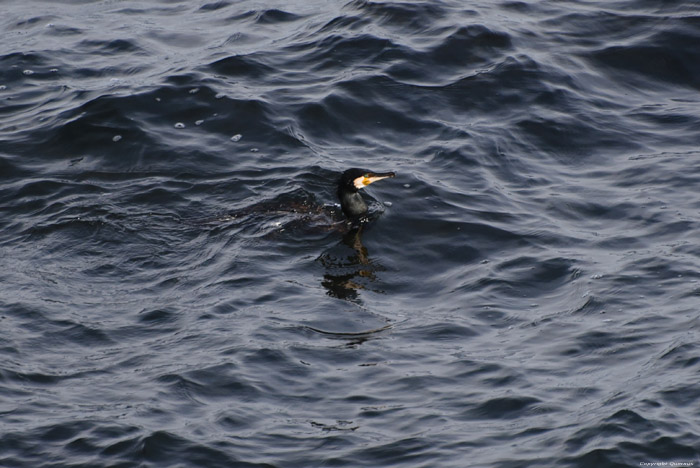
(367, 179)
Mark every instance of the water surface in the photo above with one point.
(526, 294)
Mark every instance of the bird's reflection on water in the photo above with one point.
(349, 270)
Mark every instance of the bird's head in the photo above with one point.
(353, 180)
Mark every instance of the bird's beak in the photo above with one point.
(371, 177)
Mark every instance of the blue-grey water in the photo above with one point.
(176, 288)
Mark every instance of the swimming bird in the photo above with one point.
(298, 211)
(349, 187)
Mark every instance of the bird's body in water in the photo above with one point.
(292, 214)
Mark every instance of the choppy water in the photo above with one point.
(527, 294)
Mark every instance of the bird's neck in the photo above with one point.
(352, 203)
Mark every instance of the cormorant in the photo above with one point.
(349, 187)
(307, 213)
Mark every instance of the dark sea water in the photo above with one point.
(176, 290)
